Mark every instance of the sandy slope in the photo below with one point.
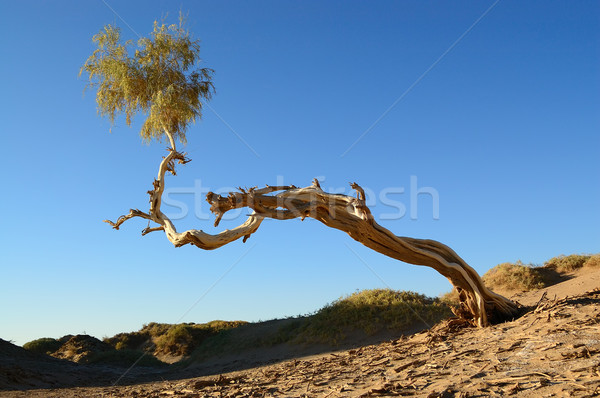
(580, 281)
(553, 350)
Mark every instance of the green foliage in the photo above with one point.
(168, 339)
(45, 345)
(159, 79)
(177, 341)
(155, 329)
(569, 263)
(515, 277)
(372, 311)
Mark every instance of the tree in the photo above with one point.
(159, 80)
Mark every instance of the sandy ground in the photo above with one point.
(552, 351)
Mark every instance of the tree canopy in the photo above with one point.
(159, 78)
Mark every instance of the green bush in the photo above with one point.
(569, 263)
(129, 341)
(176, 341)
(169, 339)
(183, 338)
(45, 345)
(155, 329)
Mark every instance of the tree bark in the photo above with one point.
(479, 305)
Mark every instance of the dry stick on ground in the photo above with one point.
(478, 304)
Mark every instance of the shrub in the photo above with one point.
(569, 263)
(155, 329)
(45, 345)
(183, 338)
(176, 341)
(129, 341)
(515, 277)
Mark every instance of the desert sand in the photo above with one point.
(551, 351)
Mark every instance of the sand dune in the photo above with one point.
(553, 350)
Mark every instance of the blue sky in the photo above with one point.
(504, 130)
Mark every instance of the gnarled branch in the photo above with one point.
(478, 304)
(194, 237)
(132, 213)
(353, 216)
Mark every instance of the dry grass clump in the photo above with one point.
(517, 276)
(593, 261)
(569, 263)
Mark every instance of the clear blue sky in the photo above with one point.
(504, 128)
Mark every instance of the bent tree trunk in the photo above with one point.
(478, 304)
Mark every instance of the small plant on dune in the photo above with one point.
(515, 276)
(45, 345)
(569, 263)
